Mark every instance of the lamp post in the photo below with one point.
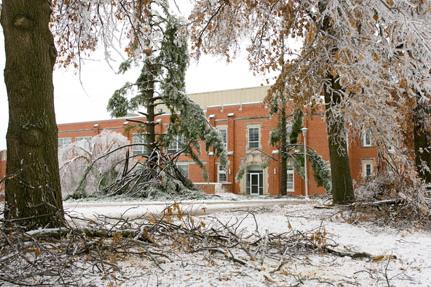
(304, 133)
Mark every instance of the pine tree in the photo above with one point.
(165, 63)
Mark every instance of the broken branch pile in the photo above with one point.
(89, 248)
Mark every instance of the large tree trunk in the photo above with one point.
(33, 195)
(422, 142)
(342, 187)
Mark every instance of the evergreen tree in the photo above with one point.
(162, 82)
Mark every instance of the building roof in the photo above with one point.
(230, 97)
(204, 100)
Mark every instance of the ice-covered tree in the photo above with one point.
(162, 82)
(87, 167)
(156, 37)
(363, 60)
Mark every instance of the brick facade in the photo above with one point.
(2, 171)
(237, 118)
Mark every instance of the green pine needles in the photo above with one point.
(161, 84)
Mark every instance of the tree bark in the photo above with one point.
(422, 142)
(33, 193)
(147, 86)
(342, 187)
(283, 149)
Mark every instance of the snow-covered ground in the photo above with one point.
(402, 257)
(132, 209)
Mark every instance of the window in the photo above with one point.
(253, 137)
(62, 142)
(221, 173)
(367, 168)
(290, 187)
(366, 138)
(176, 144)
(255, 182)
(183, 168)
(223, 133)
(83, 142)
(138, 149)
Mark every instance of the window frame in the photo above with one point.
(365, 163)
(179, 141)
(289, 128)
(224, 171)
(226, 138)
(367, 140)
(138, 150)
(249, 128)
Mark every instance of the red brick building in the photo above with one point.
(246, 125)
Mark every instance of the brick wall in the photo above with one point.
(237, 119)
(2, 169)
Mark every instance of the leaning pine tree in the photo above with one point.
(156, 39)
(162, 82)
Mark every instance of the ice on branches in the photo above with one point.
(86, 167)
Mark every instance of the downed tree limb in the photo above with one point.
(378, 203)
(57, 253)
(353, 255)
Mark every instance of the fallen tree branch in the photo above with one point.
(53, 255)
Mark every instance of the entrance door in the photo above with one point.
(254, 183)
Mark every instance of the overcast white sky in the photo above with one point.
(74, 102)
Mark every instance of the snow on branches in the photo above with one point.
(80, 26)
(379, 52)
(162, 82)
(81, 173)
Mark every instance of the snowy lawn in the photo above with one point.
(400, 257)
(135, 208)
